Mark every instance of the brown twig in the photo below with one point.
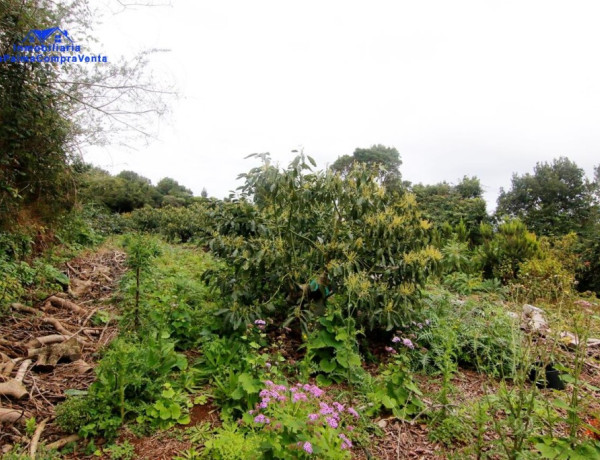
(36, 438)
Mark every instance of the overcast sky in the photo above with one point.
(483, 88)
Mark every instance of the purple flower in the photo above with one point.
(352, 412)
(346, 443)
(260, 322)
(325, 409)
(299, 397)
(396, 339)
(307, 446)
(332, 422)
(268, 383)
(260, 418)
(268, 365)
(313, 390)
(339, 407)
(313, 417)
(408, 343)
(390, 350)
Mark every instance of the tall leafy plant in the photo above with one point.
(312, 233)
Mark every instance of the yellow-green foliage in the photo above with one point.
(550, 275)
(323, 229)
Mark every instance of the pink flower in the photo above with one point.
(299, 397)
(307, 446)
(352, 412)
(314, 390)
(390, 350)
(339, 407)
(325, 409)
(260, 418)
(408, 343)
(346, 443)
(313, 417)
(332, 422)
(396, 339)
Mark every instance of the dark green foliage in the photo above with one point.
(140, 252)
(130, 375)
(234, 370)
(461, 204)
(173, 194)
(384, 161)
(317, 228)
(332, 350)
(501, 253)
(555, 200)
(34, 125)
(395, 391)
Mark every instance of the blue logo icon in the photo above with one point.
(51, 36)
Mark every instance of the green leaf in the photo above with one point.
(249, 384)
(185, 420)
(323, 381)
(327, 365)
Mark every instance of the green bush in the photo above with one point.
(310, 233)
(129, 377)
(486, 338)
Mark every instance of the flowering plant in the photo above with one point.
(299, 422)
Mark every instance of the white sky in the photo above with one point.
(483, 88)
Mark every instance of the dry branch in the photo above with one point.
(64, 303)
(22, 370)
(12, 415)
(36, 438)
(63, 442)
(23, 308)
(13, 388)
(60, 327)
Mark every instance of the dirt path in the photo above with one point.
(49, 348)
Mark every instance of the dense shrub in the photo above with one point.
(310, 233)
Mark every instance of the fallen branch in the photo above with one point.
(22, 370)
(64, 303)
(54, 338)
(46, 340)
(36, 438)
(13, 388)
(12, 415)
(23, 308)
(60, 327)
(9, 366)
(63, 442)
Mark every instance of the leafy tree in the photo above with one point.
(168, 186)
(309, 233)
(122, 193)
(48, 111)
(457, 206)
(502, 252)
(555, 200)
(384, 160)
